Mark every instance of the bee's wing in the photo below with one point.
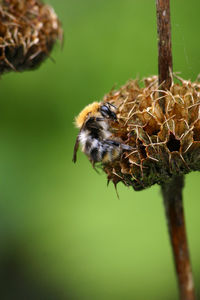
(75, 149)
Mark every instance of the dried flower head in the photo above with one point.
(28, 30)
(163, 144)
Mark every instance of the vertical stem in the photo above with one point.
(164, 46)
(172, 190)
(172, 194)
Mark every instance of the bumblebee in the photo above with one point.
(95, 135)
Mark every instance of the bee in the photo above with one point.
(95, 135)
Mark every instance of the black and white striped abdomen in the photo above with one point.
(98, 150)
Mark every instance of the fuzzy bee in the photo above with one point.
(95, 134)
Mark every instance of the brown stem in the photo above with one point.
(172, 190)
(172, 194)
(164, 46)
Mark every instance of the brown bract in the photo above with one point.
(164, 145)
(28, 30)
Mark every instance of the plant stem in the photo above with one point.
(164, 47)
(172, 194)
(172, 190)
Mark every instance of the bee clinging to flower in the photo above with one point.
(95, 136)
(135, 143)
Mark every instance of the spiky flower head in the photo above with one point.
(164, 144)
(28, 31)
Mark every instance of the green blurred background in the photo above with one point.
(63, 233)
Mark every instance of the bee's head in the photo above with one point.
(107, 110)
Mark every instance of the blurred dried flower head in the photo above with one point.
(28, 30)
(163, 144)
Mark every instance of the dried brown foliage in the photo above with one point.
(28, 30)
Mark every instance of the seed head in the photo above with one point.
(164, 144)
(28, 31)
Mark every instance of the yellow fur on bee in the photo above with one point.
(91, 108)
(106, 158)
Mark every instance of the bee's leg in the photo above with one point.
(118, 144)
(126, 147)
(94, 167)
(115, 185)
(75, 149)
(111, 143)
